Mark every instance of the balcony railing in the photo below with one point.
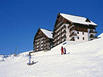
(73, 31)
(73, 28)
(60, 28)
(70, 26)
(93, 37)
(72, 39)
(91, 31)
(73, 34)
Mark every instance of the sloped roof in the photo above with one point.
(47, 33)
(77, 19)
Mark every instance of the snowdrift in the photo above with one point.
(81, 60)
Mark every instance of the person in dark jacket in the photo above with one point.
(64, 50)
(29, 58)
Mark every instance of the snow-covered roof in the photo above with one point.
(47, 33)
(77, 19)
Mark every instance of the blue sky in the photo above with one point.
(20, 19)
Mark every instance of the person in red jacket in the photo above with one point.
(62, 52)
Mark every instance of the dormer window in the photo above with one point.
(87, 20)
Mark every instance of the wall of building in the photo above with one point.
(41, 42)
(81, 36)
(67, 32)
(59, 35)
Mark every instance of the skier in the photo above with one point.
(29, 58)
(62, 52)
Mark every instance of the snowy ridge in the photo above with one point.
(101, 35)
(1, 57)
(47, 33)
(81, 60)
(77, 19)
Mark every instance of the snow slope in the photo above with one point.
(101, 35)
(1, 58)
(81, 60)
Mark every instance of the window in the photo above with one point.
(78, 37)
(83, 33)
(77, 32)
(64, 25)
(83, 38)
(87, 20)
(73, 39)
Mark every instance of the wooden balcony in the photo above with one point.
(59, 24)
(72, 39)
(59, 29)
(73, 34)
(91, 31)
(92, 36)
(73, 28)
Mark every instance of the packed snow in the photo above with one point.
(77, 19)
(47, 33)
(1, 58)
(81, 60)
